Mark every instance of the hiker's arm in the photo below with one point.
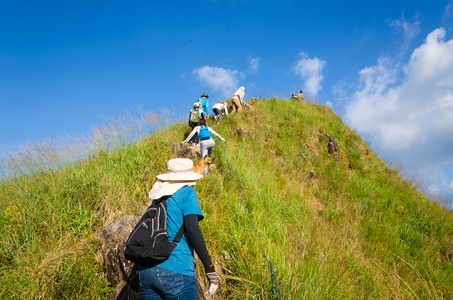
(216, 134)
(191, 134)
(192, 230)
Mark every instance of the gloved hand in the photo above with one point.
(213, 279)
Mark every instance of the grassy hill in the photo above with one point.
(351, 229)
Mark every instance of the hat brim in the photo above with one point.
(186, 176)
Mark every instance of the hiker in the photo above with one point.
(220, 109)
(293, 97)
(300, 96)
(238, 99)
(206, 141)
(204, 105)
(194, 116)
(176, 278)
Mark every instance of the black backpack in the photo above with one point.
(148, 244)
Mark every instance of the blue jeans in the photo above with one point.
(159, 283)
(206, 148)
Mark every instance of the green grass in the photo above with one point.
(356, 229)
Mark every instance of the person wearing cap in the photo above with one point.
(219, 109)
(238, 99)
(194, 116)
(204, 105)
(207, 143)
(176, 278)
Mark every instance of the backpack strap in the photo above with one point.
(179, 235)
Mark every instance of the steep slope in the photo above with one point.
(334, 225)
(355, 228)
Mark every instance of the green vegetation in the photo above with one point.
(355, 229)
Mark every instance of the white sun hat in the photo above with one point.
(179, 169)
(179, 174)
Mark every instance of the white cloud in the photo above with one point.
(254, 63)
(410, 117)
(448, 12)
(219, 79)
(310, 70)
(410, 29)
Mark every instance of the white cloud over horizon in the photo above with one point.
(254, 63)
(223, 81)
(310, 71)
(408, 109)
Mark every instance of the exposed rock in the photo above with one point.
(185, 150)
(333, 145)
(242, 133)
(249, 104)
(251, 101)
(122, 273)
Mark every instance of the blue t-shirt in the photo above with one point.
(205, 106)
(184, 202)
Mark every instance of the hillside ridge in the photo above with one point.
(335, 220)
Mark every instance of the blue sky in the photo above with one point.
(386, 67)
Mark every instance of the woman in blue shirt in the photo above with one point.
(175, 278)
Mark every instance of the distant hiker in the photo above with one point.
(204, 105)
(293, 97)
(300, 96)
(238, 99)
(220, 109)
(206, 142)
(194, 116)
(176, 278)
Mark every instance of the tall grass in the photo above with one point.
(55, 198)
(352, 229)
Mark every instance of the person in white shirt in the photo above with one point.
(206, 141)
(238, 99)
(220, 109)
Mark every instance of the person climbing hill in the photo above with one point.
(176, 278)
(238, 99)
(194, 116)
(220, 109)
(204, 105)
(300, 96)
(207, 143)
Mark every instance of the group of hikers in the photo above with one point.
(201, 134)
(175, 278)
(299, 97)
